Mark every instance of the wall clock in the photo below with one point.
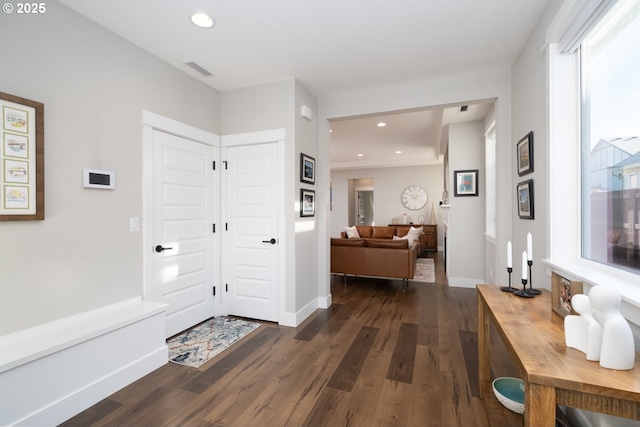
(414, 197)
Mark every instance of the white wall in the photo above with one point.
(388, 185)
(465, 239)
(306, 228)
(94, 86)
(530, 114)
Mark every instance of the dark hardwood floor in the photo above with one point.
(380, 356)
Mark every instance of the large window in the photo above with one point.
(610, 71)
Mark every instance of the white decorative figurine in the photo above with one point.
(583, 332)
(618, 349)
(600, 331)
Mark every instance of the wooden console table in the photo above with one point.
(552, 373)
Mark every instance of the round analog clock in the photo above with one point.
(414, 197)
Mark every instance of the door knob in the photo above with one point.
(159, 248)
(272, 241)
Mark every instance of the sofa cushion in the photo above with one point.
(410, 233)
(352, 232)
(387, 243)
(347, 242)
(364, 230)
(383, 232)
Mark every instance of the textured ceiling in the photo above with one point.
(333, 47)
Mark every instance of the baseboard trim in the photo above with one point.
(66, 366)
(462, 282)
(93, 393)
(295, 319)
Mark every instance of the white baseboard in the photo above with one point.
(295, 319)
(53, 386)
(462, 282)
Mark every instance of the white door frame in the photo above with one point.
(151, 122)
(265, 137)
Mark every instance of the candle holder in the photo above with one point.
(531, 291)
(523, 292)
(509, 288)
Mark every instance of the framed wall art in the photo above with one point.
(465, 183)
(562, 290)
(307, 169)
(21, 159)
(307, 202)
(525, 199)
(525, 154)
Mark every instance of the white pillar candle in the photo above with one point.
(529, 247)
(524, 265)
(509, 255)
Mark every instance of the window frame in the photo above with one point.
(565, 190)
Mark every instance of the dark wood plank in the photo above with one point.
(404, 355)
(337, 322)
(469, 342)
(209, 377)
(318, 322)
(347, 372)
(326, 408)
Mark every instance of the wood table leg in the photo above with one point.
(539, 406)
(484, 365)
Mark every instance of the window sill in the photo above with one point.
(594, 274)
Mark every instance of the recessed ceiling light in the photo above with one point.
(381, 124)
(360, 155)
(202, 20)
(398, 152)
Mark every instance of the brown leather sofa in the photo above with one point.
(375, 253)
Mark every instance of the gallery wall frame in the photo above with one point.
(307, 169)
(465, 182)
(21, 159)
(524, 154)
(525, 199)
(307, 202)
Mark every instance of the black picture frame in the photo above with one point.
(307, 169)
(524, 154)
(307, 202)
(525, 199)
(465, 183)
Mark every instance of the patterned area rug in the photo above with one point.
(425, 270)
(201, 343)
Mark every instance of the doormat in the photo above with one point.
(199, 344)
(425, 271)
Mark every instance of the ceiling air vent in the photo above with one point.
(199, 69)
(464, 108)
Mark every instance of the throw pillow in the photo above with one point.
(352, 232)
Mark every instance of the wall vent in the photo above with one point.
(199, 69)
(464, 108)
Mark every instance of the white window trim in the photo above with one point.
(564, 187)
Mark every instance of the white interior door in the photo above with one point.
(183, 237)
(251, 215)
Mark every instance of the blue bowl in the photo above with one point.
(510, 392)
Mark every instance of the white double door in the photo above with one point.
(212, 226)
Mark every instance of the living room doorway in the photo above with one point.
(362, 201)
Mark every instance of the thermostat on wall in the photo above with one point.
(93, 178)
